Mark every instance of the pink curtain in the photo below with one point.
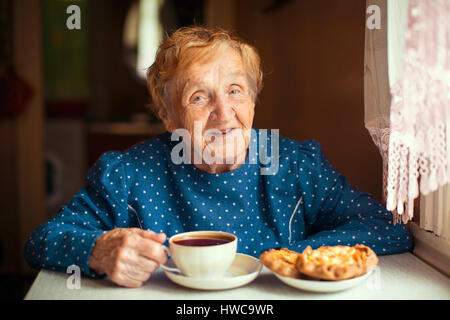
(419, 140)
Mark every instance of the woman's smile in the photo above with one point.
(222, 133)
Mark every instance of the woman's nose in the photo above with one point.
(223, 111)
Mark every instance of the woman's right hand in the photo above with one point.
(128, 256)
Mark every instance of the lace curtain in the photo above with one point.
(415, 142)
(377, 98)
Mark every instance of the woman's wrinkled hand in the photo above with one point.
(128, 256)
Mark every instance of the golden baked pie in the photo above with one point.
(281, 261)
(336, 262)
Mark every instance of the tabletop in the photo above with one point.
(402, 276)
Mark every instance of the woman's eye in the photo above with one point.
(197, 99)
(234, 91)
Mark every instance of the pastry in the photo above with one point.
(336, 262)
(281, 261)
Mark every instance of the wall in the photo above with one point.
(313, 57)
(112, 97)
(23, 181)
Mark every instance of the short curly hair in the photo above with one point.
(186, 46)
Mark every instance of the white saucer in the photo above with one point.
(323, 286)
(244, 270)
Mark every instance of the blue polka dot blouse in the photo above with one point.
(307, 202)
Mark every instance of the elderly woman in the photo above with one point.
(204, 84)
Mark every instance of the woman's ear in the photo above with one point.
(169, 121)
(170, 126)
(164, 116)
(168, 113)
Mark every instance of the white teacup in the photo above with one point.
(202, 254)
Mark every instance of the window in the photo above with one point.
(385, 81)
(142, 34)
(148, 21)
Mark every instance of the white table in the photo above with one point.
(401, 276)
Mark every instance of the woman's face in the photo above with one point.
(217, 109)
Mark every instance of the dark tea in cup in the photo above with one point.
(201, 242)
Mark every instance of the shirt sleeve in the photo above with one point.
(336, 213)
(69, 237)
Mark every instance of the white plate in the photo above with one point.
(244, 270)
(323, 286)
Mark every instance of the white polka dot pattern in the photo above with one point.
(257, 208)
